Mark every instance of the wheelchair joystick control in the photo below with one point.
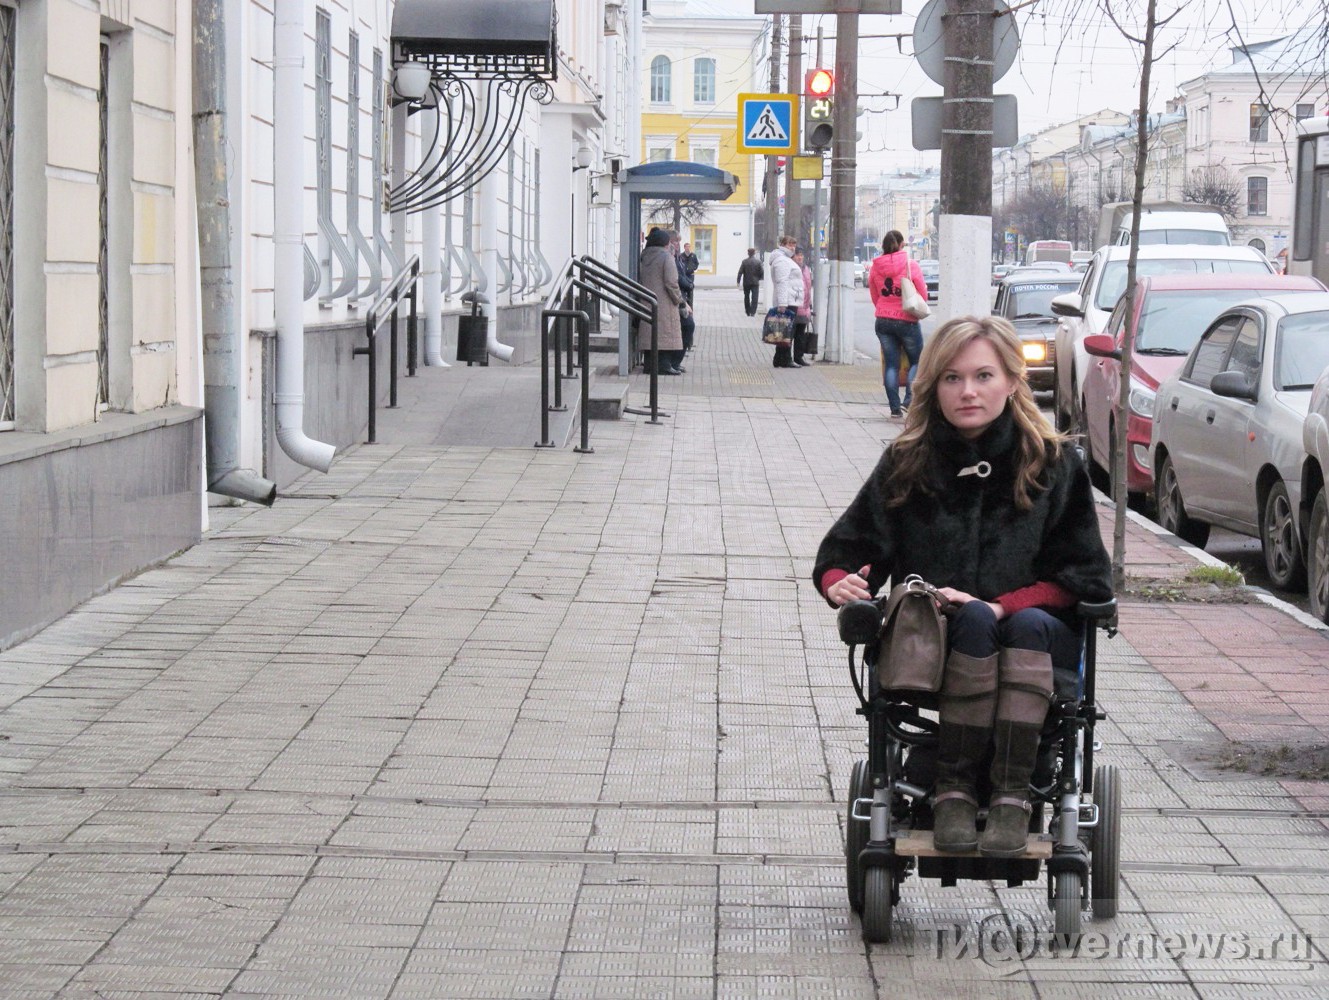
(859, 622)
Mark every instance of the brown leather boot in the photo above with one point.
(968, 700)
(1023, 693)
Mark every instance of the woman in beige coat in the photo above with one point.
(658, 272)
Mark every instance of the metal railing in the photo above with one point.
(591, 282)
(385, 307)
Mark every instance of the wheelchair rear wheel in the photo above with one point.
(878, 905)
(855, 835)
(1105, 844)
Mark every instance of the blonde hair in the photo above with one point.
(1039, 443)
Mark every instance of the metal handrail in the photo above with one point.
(593, 281)
(385, 307)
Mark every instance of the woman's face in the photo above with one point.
(973, 390)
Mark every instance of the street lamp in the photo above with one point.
(581, 160)
(410, 81)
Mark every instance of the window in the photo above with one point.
(1257, 244)
(7, 16)
(1305, 111)
(708, 156)
(1259, 123)
(1257, 195)
(703, 81)
(659, 148)
(1207, 361)
(703, 245)
(1245, 356)
(662, 71)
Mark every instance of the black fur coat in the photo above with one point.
(967, 533)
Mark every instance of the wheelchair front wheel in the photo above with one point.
(878, 905)
(1066, 905)
(855, 836)
(1105, 844)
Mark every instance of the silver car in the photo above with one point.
(1315, 496)
(1227, 437)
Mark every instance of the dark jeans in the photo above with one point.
(894, 335)
(801, 339)
(750, 299)
(975, 631)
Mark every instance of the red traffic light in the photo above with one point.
(819, 83)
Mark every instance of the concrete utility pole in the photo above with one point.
(769, 230)
(839, 345)
(793, 210)
(966, 159)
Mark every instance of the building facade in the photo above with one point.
(147, 228)
(696, 59)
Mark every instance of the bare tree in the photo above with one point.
(1213, 185)
(674, 213)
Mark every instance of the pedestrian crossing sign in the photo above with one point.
(768, 124)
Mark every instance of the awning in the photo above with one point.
(477, 36)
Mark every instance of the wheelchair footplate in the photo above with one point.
(918, 844)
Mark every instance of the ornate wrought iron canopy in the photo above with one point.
(477, 37)
(486, 59)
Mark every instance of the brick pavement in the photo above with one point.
(473, 721)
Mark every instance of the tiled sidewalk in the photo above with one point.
(465, 721)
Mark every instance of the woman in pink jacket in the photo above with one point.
(896, 329)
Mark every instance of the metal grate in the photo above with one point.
(103, 244)
(6, 215)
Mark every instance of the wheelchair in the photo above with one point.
(888, 822)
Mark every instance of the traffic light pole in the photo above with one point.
(793, 207)
(769, 232)
(839, 346)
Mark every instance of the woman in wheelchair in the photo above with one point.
(982, 498)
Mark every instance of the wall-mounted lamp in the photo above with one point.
(583, 159)
(410, 81)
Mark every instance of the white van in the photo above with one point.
(1167, 223)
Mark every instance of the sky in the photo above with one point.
(1071, 61)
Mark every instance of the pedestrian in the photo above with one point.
(750, 275)
(658, 272)
(686, 285)
(787, 295)
(897, 331)
(691, 262)
(803, 317)
(982, 498)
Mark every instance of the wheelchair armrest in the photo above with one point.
(859, 622)
(1098, 611)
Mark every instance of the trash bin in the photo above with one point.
(473, 332)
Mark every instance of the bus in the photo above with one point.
(1310, 207)
(1041, 251)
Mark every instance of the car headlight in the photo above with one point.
(1035, 352)
(1141, 399)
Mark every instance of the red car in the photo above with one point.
(1171, 312)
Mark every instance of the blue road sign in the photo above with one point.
(768, 123)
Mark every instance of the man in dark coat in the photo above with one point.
(750, 275)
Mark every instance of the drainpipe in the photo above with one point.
(221, 343)
(431, 250)
(289, 237)
(487, 230)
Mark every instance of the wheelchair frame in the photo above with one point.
(1081, 849)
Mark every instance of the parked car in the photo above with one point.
(1086, 311)
(1025, 298)
(931, 276)
(860, 272)
(1171, 311)
(1227, 445)
(1000, 271)
(1315, 496)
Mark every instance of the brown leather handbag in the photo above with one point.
(911, 647)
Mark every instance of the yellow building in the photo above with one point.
(697, 59)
